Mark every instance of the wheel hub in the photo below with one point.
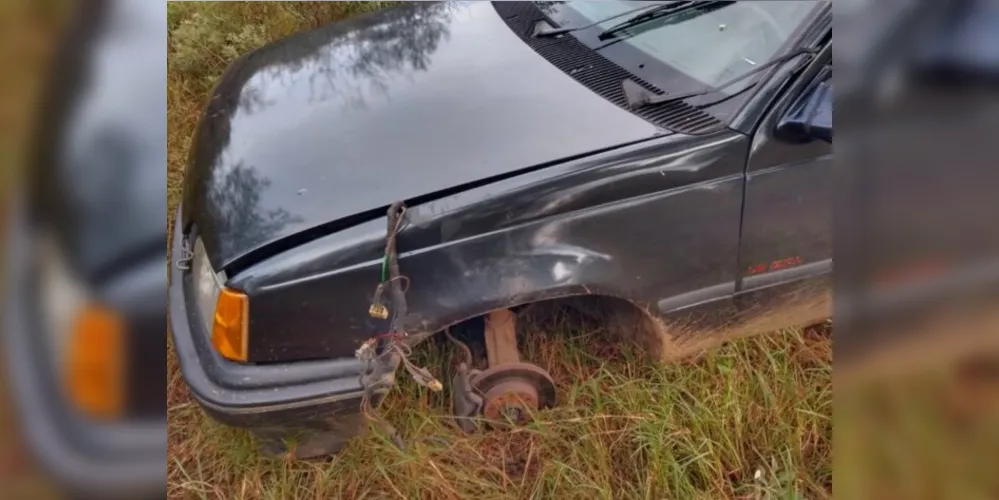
(513, 400)
(514, 392)
(509, 391)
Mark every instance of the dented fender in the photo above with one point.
(656, 224)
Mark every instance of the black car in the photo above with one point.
(355, 189)
(83, 257)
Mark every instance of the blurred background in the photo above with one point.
(83, 185)
(917, 249)
(83, 122)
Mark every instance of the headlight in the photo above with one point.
(224, 312)
(86, 338)
(207, 285)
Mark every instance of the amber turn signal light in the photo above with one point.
(94, 375)
(230, 325)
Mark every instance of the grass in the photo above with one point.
(749, 420)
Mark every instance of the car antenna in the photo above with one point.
(544, 29)
(638, 96)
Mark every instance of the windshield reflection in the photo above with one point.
(711, 44)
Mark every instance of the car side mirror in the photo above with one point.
(810, 116)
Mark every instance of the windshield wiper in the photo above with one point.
(639, 96)
(543, 29)
(659, 12)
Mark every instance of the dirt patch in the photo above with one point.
(688, 335)
(943, 340)
(677, 337)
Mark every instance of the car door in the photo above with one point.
(785, 249)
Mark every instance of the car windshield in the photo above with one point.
(710, 44)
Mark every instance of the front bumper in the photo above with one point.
(313, 404)
(88, 459)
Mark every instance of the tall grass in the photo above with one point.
(751, 420)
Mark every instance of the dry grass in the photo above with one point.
(750, 420)
(27, 40)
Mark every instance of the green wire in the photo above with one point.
(385, 269)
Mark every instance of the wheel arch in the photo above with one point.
(626, 320)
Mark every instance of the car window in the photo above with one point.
(713, 44)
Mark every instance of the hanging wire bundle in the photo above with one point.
(387, 349)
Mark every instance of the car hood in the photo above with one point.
(326, 127)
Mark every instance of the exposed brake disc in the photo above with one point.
(509, 393)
